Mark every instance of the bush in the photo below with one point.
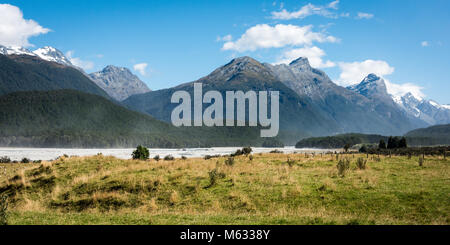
(169, 158)
(361, 163)
(141, 153)
(346, 147)
(276, 152)
(5, 159)
(247, 150)
(250, 157)
(207, 157)
(156, 158)
(382, 145)
(363, 149)
(4, 210)
(183, 157)
(25, 160)
(342, 166)
(229, 161)
(214, 175)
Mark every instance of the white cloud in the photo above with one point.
(354, 72)
(362, 15)
(307, 10)
(141, 68)
(314, 55)
(84, 64)
(334, 4)
(266, 36)
(226, 38)
(14, 29)
(402, 89)
(424, 44)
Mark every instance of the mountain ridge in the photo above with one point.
(119, 82)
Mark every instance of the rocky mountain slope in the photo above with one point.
(119, 82)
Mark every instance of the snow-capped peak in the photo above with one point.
(52, 54)
(15, 50)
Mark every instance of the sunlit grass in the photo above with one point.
(265, 190)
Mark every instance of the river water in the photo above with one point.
(53, 153)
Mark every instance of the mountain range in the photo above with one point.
(311, 104)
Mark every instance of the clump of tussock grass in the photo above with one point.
(214, 176)
(361, 163)
(174, 198)
(290, 162)
(229, 161)
(342, 166)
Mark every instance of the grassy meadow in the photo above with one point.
(263, 189)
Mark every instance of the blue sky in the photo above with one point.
(407, 42)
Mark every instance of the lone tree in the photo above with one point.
(346, 147)
(402, 143)
(382, 145)
(141, 153)
(392, 143)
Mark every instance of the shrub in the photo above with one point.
(363, 149)
(141, 153)
(290, 162)
(250, 157)
(5, 159)
(346, 147)
(247, 150)
(37, 161)
(25, 160)
(229, 161)
(276, 152)
(207, 157)
(169, 158)
(361, 163)
(342, 166)
(382, 145)
(4, 210)
(214, 175)
(183, 157)
(156, 158)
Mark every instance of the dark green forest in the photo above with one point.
(68, 118)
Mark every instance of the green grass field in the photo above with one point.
(266, 190)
